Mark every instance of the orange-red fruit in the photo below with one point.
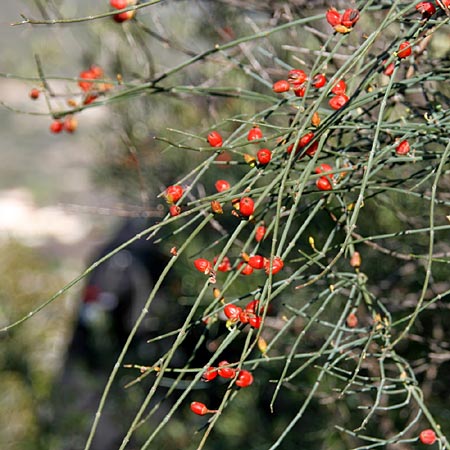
(352, 320)
(254, 133)
(264, 156)
(252, 307)
(338, 101)
(34, 94)
(319, 80)
(199, 408)
(119, 4)
(174, 193)
(70, 124)
(56, 126)
(404, 50)
(339, 88)
(232, 311)
(226, 372)
(403, 148)
(427, 437)
(324, 184)
(86, 75)
(215, 139)
(203, 265)
(247, 270)
(277, 265)
(297, 77)
(333, 17)
(209, 374)
(324, 168)
(222, 185)
(350, 17)
(174, 210)
(225, 264)
(427, 9)
(281, 86)
(246, 206)
(255, 322)
(300, 91)
(389, 70)
(256, 261)
(260, 232)
(244, 379)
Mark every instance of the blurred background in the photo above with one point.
(68, 199)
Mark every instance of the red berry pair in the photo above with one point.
(248, 315)
(121, 4)
(324, 183)
(70, 124)
(305, 141)
(342, 23)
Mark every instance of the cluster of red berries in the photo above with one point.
(244, 378)
(121, 4)
(246, 267)
(249, 314)
(342, 23)
(297, 80)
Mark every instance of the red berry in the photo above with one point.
(403, 148)
(174, 193)
(352, 320)
(246, 206)
(174, 210)
(225, 264)
(324, 184)
(119, 4)
(338, 101)
(339, 88)
(333, 17)
(319, 80)
(70, 124)
(244, 379)
(34, 93)
(255, 322)
(86, 75)
(389, 70)
(232, 311)
(306, 139)
(323, 168)
(201, 409)
(254, 133)
(404, 50)
(300, 92)
(203, 265)
(244, 317)
(89, 99)
(260, 232)
(350, 17)
(215, 139)
(264, 156)
(256, 261)
(281, 86)
(56, 126)
(427, 437)
(209, 374)
(222, 185)
(297, 77)
(277, 265)
(252, 307)
(226, 372)
(247, 270)
(427, 9)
